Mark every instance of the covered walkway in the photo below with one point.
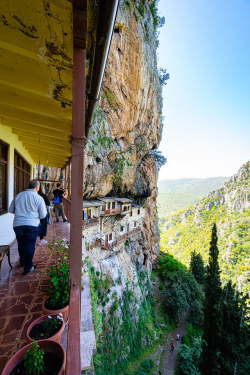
(21, 296)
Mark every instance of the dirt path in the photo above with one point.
(166, 365)
(170, 357)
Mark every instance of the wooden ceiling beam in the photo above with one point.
(48, 150)
(19, 125)
(42, 142)
(15, 113)
(47, 106)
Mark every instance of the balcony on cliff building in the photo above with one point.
(43, 67)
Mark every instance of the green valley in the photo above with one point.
(189, 229)
(183, 192)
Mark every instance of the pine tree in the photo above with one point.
(212, 312)
(197, 267)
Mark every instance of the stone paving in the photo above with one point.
(21, 300)
(21, 296)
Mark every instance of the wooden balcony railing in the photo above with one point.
(114, 211)
(108, 246)
(91, 221)
(67, 208)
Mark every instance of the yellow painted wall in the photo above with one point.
(6, 220)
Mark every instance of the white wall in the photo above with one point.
(7, 234)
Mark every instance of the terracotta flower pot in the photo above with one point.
(51, 346)
(64, 310)
(56, 337)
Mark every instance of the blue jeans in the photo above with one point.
(26, 236)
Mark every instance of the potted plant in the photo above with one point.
(58, 300)
(46, 327)
(38, 358)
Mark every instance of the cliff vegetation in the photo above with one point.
(189, 230)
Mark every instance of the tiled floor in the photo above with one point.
(21, 296)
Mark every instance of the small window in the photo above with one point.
(138, 211)
(134, 224)
(110, 236)
(131, 213)
(113, 205)
(125, 208)
(122, 228)
(3, 177)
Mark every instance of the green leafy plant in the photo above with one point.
(141, 9)
(95, 285)
(145, 367)
(120, 162)
(128, 4)
(189, 357)
(59, 275)
(167, 263)
(52, 324)
(109, 99)
(125, 337)
(34, 359)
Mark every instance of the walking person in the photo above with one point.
(44, 221)
(28, 208)
(58, 204)
(172, 346)
(177, 337)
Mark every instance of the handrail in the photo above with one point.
(108, 246)
(67, 208)
(111, 211)
(90, 221)
(73, 349)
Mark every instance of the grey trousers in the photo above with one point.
(61, 208)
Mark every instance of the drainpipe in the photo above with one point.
(106, 22)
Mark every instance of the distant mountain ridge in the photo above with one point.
(176, 194)
(229, 207)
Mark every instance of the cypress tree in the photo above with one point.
(231, 329)
(197, 267)
(210, 364)
(235, 328)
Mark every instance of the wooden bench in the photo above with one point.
(4, 250)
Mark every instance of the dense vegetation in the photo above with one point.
(189, 230)
(127, 329)
(217, 337)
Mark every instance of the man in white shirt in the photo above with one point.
(28, 208)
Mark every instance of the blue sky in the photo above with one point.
(205, 47)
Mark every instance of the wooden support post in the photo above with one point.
(73, 366)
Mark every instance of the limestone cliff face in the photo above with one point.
(127, 123)
(126, 127)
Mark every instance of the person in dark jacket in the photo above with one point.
(44, 221)
(58, 203)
